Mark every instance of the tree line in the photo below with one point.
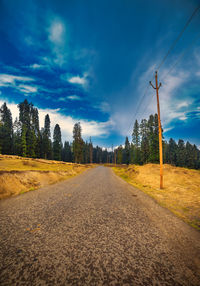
(25, 138)
(144, 147)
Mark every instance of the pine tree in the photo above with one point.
(37, 133)
(28, 116)
(66, 152)
(153, 131)
(181, 154)
(46, 139)
(191, 156)
(136, 134)
(91, 151)
(31, 142)
(132, 154)
(136, 143)
(25, 113)
(144, 141)
(86, 153)
(17, 131)
(78, 143)
(23, 141)
(127, 151)
(6, 130)
(119, 154)
(171, 153)
(57, 143)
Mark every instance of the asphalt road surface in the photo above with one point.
(94, 229)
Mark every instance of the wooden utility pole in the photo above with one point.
(160, 129)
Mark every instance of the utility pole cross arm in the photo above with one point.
(152, 85)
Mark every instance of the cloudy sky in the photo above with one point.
(91, 61)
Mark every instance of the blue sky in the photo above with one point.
(91, 61)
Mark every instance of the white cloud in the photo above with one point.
(74, 97)
(182, 104)
(17, 82)
(56, 32)
(58, 40)
(36, 66)
(173, 107)
(27, 88)
(170, 105)
(77, 79)
(167, 129)
(103, 106)
(71, 97)
(62, 99)
(182, 118)
(8, 79)
(89, 128)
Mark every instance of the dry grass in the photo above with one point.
(19, 175)
(181, 193)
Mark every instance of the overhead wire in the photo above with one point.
(173, 66)
(179, 36)
(164, 59)
(180, 57)
(138, 107)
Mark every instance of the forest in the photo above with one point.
(25, 138)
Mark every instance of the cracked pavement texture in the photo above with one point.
(94, 229)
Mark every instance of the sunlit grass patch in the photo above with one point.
(19, 175)
(181, 193)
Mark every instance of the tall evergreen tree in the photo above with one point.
(136, 143)
(181, 154)
(6, 140)
(57, 143)
(17, 131)
(91, 151)
(153, 131)
(46, 139)
(23, 141)
(127, 151)
(86, 153)
(144, 141)
(171, 155)
(66, 152)
(27, 117)
(119, 154)
(136, 134)
(78, 143)
(36, 132)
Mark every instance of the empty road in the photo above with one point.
(94, 229)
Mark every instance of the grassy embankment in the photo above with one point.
(19, 175)
(181, 193)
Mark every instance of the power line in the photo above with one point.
(179, 36)
(138, 107)
(180, 57)
(172, 67)
(164, 59)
